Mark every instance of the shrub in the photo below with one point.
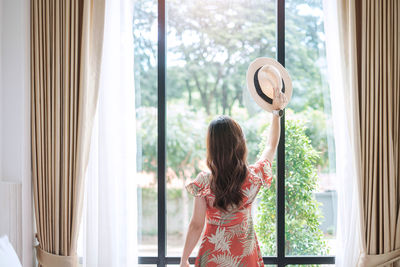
(302, 233)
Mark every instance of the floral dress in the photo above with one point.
(229, 239)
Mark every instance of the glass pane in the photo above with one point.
(210, 46)
(311, 197)
(145, 45)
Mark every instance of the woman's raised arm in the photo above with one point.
(279, 102)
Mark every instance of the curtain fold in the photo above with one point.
(379, 123)
(341, 51)
(66, 45)
(368, 37)
(109, 233)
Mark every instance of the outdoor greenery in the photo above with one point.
(302, 232)
(186, 149)
(210, 45)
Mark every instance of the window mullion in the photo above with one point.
(280, 44)
(161, 138)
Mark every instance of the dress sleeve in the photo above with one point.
(261, 172)
(200, 186)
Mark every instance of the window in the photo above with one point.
(209, 45)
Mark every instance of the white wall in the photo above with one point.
(14, 60)
(15, 110)
(1, 91)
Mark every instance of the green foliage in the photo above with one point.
(318, 128)
(174, 194)
(210, 45)
(253, 127)
(217, 48)
(146, 134)
(303, 235)
(144, 19)
(148, 193)
(305, 52)
(185, 138)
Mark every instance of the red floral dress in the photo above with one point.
(229, 239)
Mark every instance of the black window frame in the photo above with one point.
(162, 260)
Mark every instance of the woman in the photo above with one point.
(225, 195)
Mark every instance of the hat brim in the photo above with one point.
(253, 67)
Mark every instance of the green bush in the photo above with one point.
(185, 139)
(319, 130)
(302, 220)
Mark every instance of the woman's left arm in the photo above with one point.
(195, 228)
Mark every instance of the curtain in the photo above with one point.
(66, 44)
(341, 55)
(108, 236)
(368, 41)
(379, 99)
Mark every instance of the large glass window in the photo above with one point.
(310, 197)
(210, 45)
(145, 45)
(204, 53)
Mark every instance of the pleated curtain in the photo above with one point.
(379, 98)
(369, 39)
(66, 45)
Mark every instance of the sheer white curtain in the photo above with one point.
(348, 224)
(108, 232)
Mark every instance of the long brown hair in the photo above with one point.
(226, 158)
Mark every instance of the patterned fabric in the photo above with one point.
(229, 239)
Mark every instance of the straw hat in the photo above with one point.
(263, 75)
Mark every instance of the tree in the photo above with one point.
(302, 232)
(145, 53)
(305, 52)
(211, 43)
(185, 138)
(319, 126)
(215, 41)
(185, 144)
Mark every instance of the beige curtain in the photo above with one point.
(369, 33)
(66, 44)
(379, 88)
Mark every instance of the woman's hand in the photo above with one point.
(184, 263)
(280, 100)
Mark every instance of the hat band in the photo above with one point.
(260, 92)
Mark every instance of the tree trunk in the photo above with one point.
(203, 94)
(190, 92)
(224, 98)
(239, 96)
(215, 91)
(216, 102)
(206, 102)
